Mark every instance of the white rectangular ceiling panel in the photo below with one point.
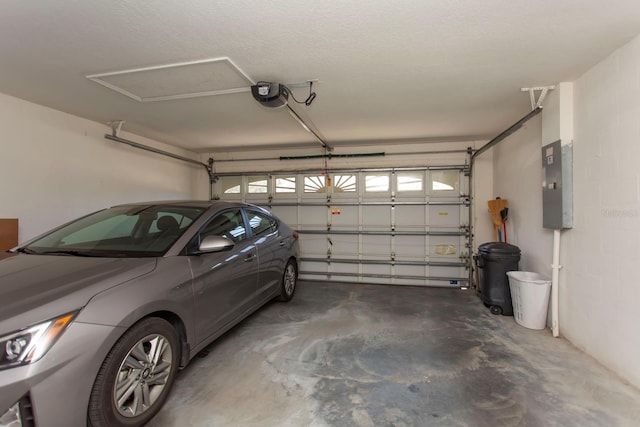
(215, 76)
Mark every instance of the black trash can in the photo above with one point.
(493, 261)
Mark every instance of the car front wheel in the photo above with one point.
(136, 376)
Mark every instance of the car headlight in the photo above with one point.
(30, 344)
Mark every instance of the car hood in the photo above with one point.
(34, 288)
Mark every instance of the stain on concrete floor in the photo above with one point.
(372, 355)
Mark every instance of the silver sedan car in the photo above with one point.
(98, 315)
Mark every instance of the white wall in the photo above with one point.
(482, 192)
(600, 301)
(517, 176)
(55, 167)
(599, 290)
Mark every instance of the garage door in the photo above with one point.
(404, 226)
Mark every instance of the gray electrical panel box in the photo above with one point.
(557, 186)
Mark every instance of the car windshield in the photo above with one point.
(123, 231)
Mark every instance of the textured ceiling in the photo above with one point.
(386, 70)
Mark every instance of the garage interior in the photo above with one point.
(423, 112)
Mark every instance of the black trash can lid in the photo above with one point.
(499, 248)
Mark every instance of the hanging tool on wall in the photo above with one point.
(504, 214)
(496, 207)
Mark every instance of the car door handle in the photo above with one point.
(282, 243)
(250, 258)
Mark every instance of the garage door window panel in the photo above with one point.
(314, 185)
(377, 184)
(231, 186)
(286, 185)
(443, 182)
(410, 183)
(258, 188)
(345, 184)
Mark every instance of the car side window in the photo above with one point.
(261, 223)
(228, 224)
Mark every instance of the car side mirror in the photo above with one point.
(215, 244)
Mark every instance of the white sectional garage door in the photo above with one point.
(405, 226)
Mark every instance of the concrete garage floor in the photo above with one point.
(371, 355)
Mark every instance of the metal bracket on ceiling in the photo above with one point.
(116, 125)
(532, 94)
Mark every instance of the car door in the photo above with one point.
(224, 282)
(271, 250)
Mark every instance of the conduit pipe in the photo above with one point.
(555, 280)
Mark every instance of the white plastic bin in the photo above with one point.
(530, 298)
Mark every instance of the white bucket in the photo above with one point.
(530, 298)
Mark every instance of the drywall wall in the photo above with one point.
(482, 191)
(599, 303)
(599, 294)
(517, 176)
(55, 167)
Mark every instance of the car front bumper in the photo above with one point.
(54, 391)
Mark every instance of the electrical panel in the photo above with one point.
(557, 186)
